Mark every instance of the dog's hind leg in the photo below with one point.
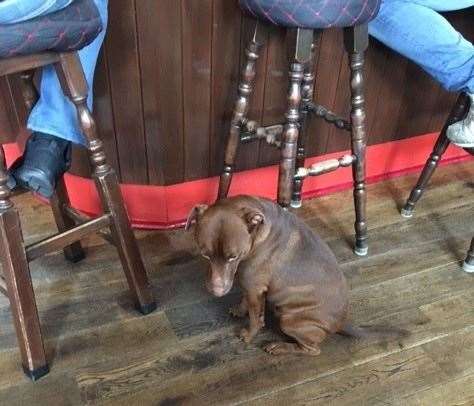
(307, 334)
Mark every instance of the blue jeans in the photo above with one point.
(415, 29)
(54, 114)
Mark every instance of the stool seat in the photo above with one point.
(66, 30)
(312, 14)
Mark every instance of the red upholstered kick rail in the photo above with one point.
(161, 207)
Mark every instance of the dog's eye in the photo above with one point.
(232, 258)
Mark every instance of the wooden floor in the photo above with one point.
(102, 352)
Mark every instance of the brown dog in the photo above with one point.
(279, 260)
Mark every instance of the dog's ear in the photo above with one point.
(194, 214)
(254, 219)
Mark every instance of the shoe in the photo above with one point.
(45, 159)
(462, 132)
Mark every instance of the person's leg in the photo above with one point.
(421, 34)
(14, 11)
(444, 5)
(54, 125)
(54, 114)
(416, 30)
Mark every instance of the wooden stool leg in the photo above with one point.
(60, 200)
(356, 40)
(306, 98)
(300, 54)
(468, 264)
(18, 284)
(29, 92)
(74, 85)
(457, 114)
(240, 111)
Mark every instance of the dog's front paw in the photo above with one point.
(246, 335)
(237, 311)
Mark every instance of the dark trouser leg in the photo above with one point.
(72, 79)
(457, 114)
(240, 112)
(356, 41)
(18, 284)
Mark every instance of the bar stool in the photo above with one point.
(54, 40)
(305, 19)
(458, 113)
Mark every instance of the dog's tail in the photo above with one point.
(373, 332)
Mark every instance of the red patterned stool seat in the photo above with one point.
(69, 29)
(312, 14)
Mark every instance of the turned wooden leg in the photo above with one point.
(300, 54)
(241, 107)
(356, 40)
(17, 284)
(306, 98)
(59, 201)
(74, 85)
(442, 143)
(468, 264)
(29, 91)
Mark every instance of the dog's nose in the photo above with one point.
(217, 287)
(219, 292)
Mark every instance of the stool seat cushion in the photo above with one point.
(312, 14)
(66, 30)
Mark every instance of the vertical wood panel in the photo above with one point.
(248, 153)
(160, 33)
(225, 70)
(418, 102)
(8, 122)
(197, 45)
(325, 87)
(122, 52)
(103, 110)
(389, 103)
(276, 89)
(339, 139)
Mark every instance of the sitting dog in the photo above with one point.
(279, 260)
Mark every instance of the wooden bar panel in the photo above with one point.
(226, 30)
(126, 90)
(197, 49)
(161, 66)
(167, 80)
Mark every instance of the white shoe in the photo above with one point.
(462, 132)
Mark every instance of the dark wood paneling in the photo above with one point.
(126, 91)
(167, 81)
(225, 72)
(197, 35)
(161, 59)
(248, 153)
(276, 84)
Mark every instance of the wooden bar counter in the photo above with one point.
(168, 75)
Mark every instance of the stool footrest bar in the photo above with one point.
(80, 218)
(326, 166)
(252, 132)
(329, 116)
(61, 240)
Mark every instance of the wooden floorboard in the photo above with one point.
(103, 352)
